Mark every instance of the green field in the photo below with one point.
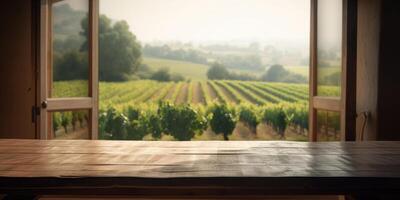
(189, 70)
(305, 70)
(195, 71)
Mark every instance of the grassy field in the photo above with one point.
(189, 70)
(198, 72)
(305, 70)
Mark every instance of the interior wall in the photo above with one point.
(389, 72)
(368, 33)
(17, 95)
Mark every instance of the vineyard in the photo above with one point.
(135, 109)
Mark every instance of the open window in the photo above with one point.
(68, 54)
(73, 33)
(332, 70)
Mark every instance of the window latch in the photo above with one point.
(35, 113)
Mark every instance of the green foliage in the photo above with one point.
(71, 65)
(218, 72)
(137, 129)
(116, 124)
(247, 115)
(222, 120)
(56, 121)
(164, 75)
(119, 50)
(161, 75)
(276, 117)
(277, 73)
(102, 124)
(154, 126)
(132, 113)
(182, 121)
(179, 54)
(177, 77)
(66, 119)
(138, 101)
(299, 113)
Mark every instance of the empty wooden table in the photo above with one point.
(198, 168)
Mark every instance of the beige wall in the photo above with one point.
(367, 64)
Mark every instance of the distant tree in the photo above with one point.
(119, 50)
(72, 65)
(177, 77)
(161, 75)
(167, 52)
(222, 120)
(218, 72)
(275, 73)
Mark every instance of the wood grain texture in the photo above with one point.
(198, 168)
(327, 103)
(17, 70)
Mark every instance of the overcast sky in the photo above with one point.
(212, 20)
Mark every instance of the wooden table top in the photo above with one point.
(213, 167)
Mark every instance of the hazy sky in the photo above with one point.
(212, 20)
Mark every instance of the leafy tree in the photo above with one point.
(161, 75)
(222, 120)
(72, 65)
(275, 73)
(218, 72)
(182, 122)
(166, 52)
(119, 50)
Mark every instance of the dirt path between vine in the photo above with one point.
(183, 94)
(197, 94)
